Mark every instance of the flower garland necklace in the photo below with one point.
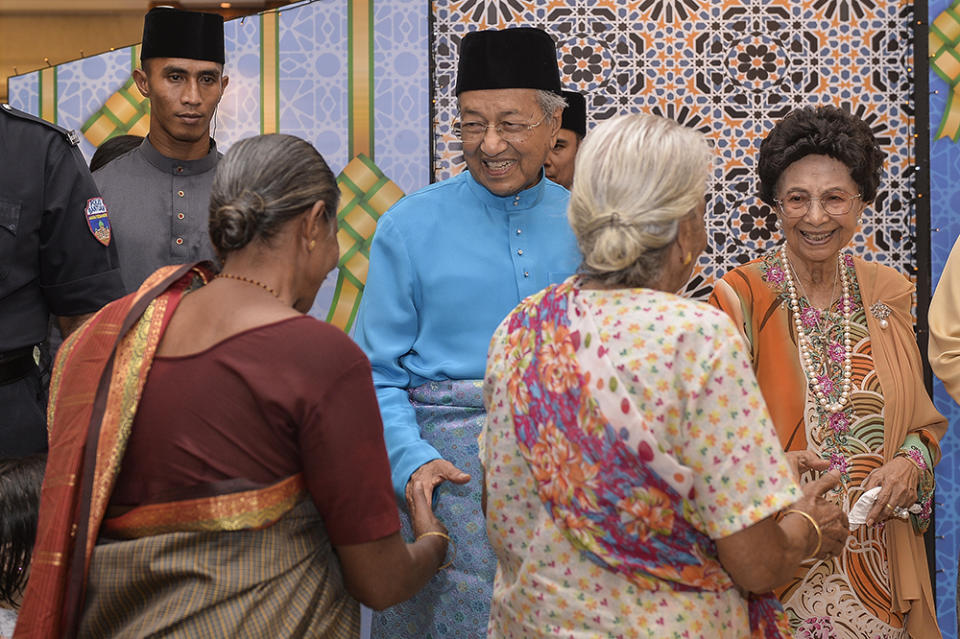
(804, 345)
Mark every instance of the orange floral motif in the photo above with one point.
(518, 391)
(647, 511)
(556, 364)
(559, 469)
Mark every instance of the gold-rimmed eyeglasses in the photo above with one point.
(508, 131)
(835, 203)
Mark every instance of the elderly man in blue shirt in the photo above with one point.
(446, 266)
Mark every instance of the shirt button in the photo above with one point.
(519, 251)
(526, 273)
(179, 241)
(180, 193)
(180, 216)
(519, 231)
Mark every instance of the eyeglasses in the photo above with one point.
(508, 131)
(835, 203)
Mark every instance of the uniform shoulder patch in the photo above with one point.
(98, 220)
(70, 136)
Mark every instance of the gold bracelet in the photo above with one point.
(816, 527)
(437, 533)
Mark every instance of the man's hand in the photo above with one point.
(432, 474)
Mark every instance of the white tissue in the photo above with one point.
(858, 514)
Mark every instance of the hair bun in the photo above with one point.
(235, 223)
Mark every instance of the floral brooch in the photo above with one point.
(881, 311)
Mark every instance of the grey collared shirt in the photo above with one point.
(158, 209)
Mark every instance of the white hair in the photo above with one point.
(636, 176)
(550, 101)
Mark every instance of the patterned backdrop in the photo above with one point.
(944, 229)
(350, 76)
(729, 69)
(357, 75)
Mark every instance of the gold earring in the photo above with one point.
(688, 258)
(312, 245)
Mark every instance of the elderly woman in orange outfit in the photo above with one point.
(832, 343)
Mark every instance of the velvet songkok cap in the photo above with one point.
(172, 33)
(575, 113)
(523, 58)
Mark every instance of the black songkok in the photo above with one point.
(575, 113)
(522, 58)
(172, 33)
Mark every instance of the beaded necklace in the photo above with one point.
(803, 341)
(248, 280)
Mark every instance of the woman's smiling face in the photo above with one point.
(816, 236)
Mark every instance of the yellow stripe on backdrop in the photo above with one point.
(48, 94)
(360, 88)
(270, 72)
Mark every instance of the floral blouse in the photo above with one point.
(602, 511)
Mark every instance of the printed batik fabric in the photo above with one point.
(847, 596)
(730, 70)
(618, 445)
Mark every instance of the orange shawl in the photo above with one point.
(94, 390)
(757, 311)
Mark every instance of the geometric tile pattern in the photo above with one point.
(730, 70)
(945, 228)
(313, 74)
(402, 117)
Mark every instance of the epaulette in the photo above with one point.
(69, 135)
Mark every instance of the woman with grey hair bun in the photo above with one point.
(633, 479)
(228, 428)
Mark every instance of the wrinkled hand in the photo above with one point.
(422, 518)
(803, 460)
(834, 528)
(431, 475)
(898, 480)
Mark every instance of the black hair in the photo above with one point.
(823, 130)
(20, 481)
(113, 148)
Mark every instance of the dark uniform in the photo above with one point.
(56, 256)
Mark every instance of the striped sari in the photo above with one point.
(244, 564)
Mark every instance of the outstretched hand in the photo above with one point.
(422, 517)
(431, 475)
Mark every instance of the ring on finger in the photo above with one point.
(890, 507)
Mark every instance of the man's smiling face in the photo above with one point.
(507, 167)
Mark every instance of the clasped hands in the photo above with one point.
(897, 479)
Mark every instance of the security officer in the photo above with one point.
(56, 256)
(158, 193)
(562, 158)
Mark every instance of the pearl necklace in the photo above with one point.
(248, 280)
(804, 344)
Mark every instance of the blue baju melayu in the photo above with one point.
(447, 264)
